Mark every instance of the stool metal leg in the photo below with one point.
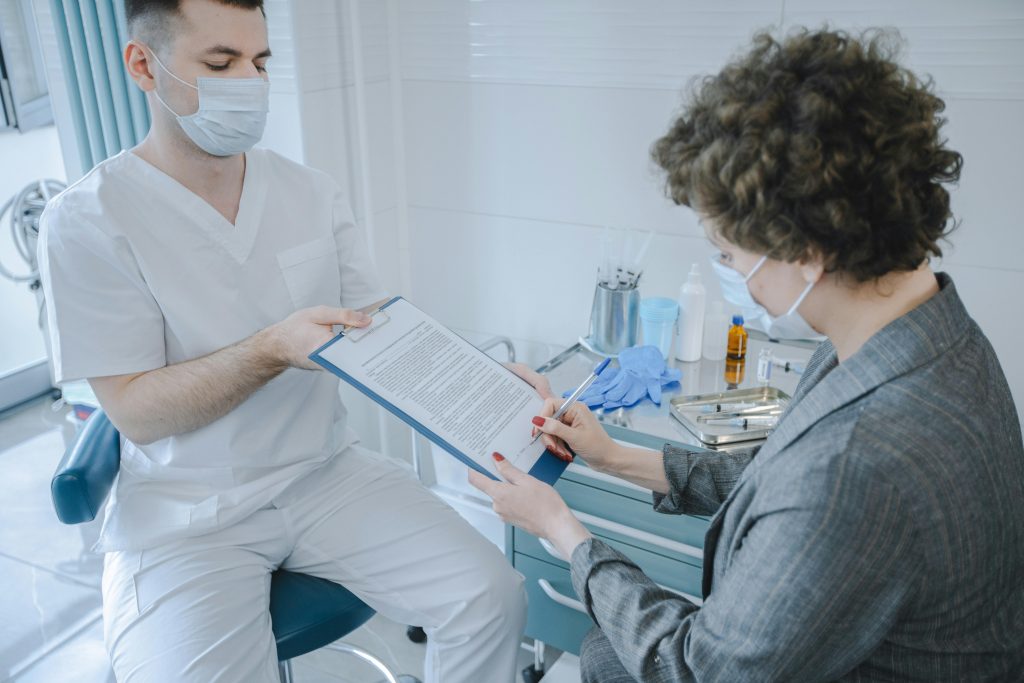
(380, 666)
(285, 670)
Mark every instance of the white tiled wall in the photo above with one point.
(526, 124)
(314, 119)
(503, 136)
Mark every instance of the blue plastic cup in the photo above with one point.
(658, 323)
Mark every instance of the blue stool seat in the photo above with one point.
(307, 612)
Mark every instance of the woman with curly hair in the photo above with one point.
(878, 534)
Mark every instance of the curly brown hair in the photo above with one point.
(817, 145)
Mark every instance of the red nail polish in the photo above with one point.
(498, 456)
(539, 421)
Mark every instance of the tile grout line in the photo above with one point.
(67, 636)
(53, 572)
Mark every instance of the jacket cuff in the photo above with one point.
(587, 559)
(677, 470)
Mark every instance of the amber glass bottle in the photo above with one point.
(734, 370)
(737, 346)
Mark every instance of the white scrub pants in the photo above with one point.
(197, 609)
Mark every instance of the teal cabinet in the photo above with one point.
(669, 548)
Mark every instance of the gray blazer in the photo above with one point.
(877, 535)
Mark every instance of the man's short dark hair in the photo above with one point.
(151, 20)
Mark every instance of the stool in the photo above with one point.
(307, 612)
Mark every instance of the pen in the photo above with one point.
(576, 394)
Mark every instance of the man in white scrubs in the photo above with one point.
(188, 279)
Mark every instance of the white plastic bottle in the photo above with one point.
(691, 317)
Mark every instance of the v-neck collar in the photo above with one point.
(237, 239)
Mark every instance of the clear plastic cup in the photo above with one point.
(658, 322)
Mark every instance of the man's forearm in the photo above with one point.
(183, 397)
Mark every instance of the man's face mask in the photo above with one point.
(790, 325)
(231, 116)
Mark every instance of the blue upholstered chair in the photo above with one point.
(307, 612)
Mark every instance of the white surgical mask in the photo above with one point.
(231, 116)
(735, 290)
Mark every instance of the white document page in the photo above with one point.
(443, 382)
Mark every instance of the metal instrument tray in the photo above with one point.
(687, 408)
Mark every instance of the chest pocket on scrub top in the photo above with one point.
(310, 272)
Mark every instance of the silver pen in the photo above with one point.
(576, 394)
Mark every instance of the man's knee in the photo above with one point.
(506, 590)
(498, 599)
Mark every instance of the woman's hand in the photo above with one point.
(543, 387)
(531, 505)
(580, 429)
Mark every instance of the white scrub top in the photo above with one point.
(140, 273)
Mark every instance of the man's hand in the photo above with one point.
(533, 378)
(304, 331)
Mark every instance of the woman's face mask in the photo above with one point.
(790, 325)
(231, 116)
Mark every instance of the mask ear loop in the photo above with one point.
(756, 268)
(169, 73)
(800, 299)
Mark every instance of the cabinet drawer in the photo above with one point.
(626, 519)
(555, 615)
(678, 576)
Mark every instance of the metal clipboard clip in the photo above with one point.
(357, 334)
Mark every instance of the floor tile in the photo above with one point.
(83, 659)
(30, 530)
(40, 611)
(30, 420)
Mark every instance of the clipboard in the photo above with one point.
(547, 468)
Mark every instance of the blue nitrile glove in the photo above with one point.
(594, 396)
(641, 372)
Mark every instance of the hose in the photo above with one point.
(25, 208)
